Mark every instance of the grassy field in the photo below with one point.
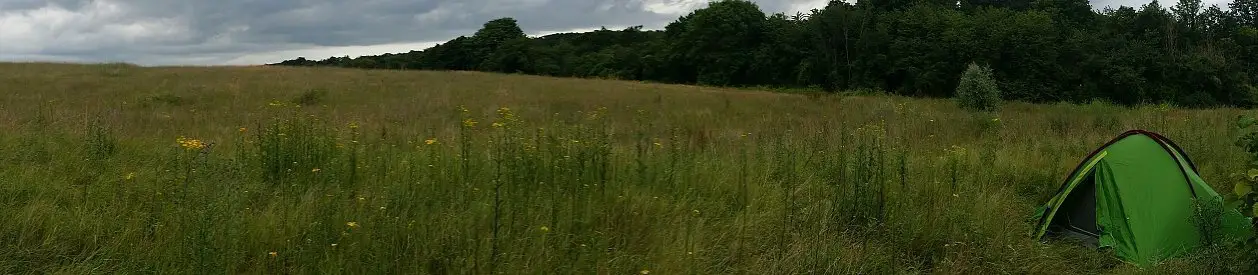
(121, 169)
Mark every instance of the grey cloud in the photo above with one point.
(201, 31)
(147, 30)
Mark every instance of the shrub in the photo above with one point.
(289, 149)
(164, 98)
(1248, 96)
(985, 123)
(977, 90)
(311, 97)
(1243, 196)
(1104, 114)
(1197, 99)
(117, 69)
(100, 143)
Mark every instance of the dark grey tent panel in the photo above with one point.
(1077, 217)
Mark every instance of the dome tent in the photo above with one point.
(1135, 195)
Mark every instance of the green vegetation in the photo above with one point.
(464, 172)
(977, 90)
(1244, 197)
(1188, 55)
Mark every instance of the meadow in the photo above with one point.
(190, 170)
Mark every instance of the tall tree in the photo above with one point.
(1246, 11)
(457, 54)
(720, 41)
(1186, 12)
(783, 52)
(1039, 50)
(929, 49)
(498, 31)
(1188, 27)
(1017, 5)
(493, 35)
(836, 32)
(512, 56)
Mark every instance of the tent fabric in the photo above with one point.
(1078, 211)
(1144, 189)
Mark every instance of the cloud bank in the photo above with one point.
(238, 32)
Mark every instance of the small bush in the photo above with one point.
(165, 98)
(1197, 100)
(867, 92)
(1243, 196)
(118, 69)
(101, 144)
(1248, 96)
(986, 123)
(289, 149)
(1063, 123)
(1105, 117)
(977, 90)
(311, 97)
(1208, 216)
(1213, 259)
(1106, 123)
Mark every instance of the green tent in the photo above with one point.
(1135, 195)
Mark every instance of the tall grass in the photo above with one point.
(439, 173)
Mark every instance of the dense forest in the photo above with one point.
(1038, 50)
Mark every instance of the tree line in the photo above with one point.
(1038, 50)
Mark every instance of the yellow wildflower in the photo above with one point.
(351, 224)
(644, 272)
(190, 144)
(315, 170)
(353, 125)
(430, 141)
(273, 254)
(545, 229)
(498, 124)
(469, 123)
(131, 176)
(957, 150)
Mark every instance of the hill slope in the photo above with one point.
(340, 170)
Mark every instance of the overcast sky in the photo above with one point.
(238, 32)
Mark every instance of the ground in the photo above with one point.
(123, 169)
